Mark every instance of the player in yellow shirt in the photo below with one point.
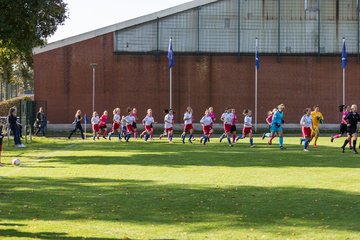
(317, 118)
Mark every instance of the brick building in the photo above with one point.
(300, 46)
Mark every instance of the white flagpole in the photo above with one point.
(256, 87)
(344, 79)
(171, 88)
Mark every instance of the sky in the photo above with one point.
(88, 15)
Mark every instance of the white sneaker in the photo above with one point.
(305, 150)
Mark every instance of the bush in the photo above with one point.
(6, 105)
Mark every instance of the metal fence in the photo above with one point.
(230, 26)
(9, 91)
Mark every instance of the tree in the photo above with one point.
(25, 24)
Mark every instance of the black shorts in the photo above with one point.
(343, 128)
(351, 131)
(233, 128)
(102, 127)
(134, 125)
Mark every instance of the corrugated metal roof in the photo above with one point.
(122, 25)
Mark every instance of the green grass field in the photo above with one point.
(73, 189)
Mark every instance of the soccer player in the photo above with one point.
(233, 125)
(116, 124)
(247, 129)
(188, 127)
(168, 125)
(123, 126)
(226, 118)
(95, 125)
(352, 118)
(148, 122)
(213, 118)
(78, 126)
(268, 120)
(317, 118)
(102, 124)
(164, 134)
(206, 122)
(129, 119)
(134, 113)
(344, 109)
(306, 124)
(276, 126)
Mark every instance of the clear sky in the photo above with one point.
(88, 15)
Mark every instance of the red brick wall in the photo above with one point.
(63, 77)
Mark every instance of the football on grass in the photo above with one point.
(15, 162)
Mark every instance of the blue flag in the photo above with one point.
(343, 56)
(86, 119)
(171, 55)
(257, 63)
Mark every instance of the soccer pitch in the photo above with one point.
(73, 189)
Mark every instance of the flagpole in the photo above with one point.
(170, 88)
(256, 85)
(343, 78)
(171, 64)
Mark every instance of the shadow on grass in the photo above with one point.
(146, 203)
(45, 235)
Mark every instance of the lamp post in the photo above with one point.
(93, 65)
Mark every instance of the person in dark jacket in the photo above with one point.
(40, 122)
(352, 118)
(1, 142)
(78, 126)
(14, 126)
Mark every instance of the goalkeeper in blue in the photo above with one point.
(276, 126)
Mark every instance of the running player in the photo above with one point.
(268, 120)
(247, 129)
(77, 123)
(213, 118)
(226, 118)
(148, 123)
(129, 119)
(306, 124)
(206, 122)
(352, 118)
(95, 125)
(276, 126)
(233, 125)
(164, 134)
(134, 114)
(116, 124)
(344, 109)
(317, 118)
(168, 126)
(188, 127)
(102, 124)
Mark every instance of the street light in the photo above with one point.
(93, 65)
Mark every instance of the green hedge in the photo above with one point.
(6, 105)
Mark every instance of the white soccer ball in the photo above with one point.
(15, 162)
